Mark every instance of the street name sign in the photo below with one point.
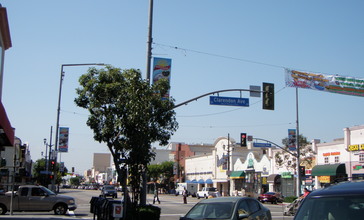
(218, 100)
(262, 145)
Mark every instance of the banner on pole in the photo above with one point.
(63, 139)
(292, 139)
(328, 83)
(162, 70)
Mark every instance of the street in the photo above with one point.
(172, 207)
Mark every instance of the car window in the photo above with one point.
(24, 191)
(37, 192)
(243, 208)
(332, 208)
(253, 205)
(216, 210)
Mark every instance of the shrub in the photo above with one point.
(289, 199)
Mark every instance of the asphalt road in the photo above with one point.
(172, 207)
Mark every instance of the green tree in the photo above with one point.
(128, 114)
(45, 179)
(163, 170)
(285, 159)
(75, 180)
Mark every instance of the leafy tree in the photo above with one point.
(75, 180)
(128, 114)
(285, 159)
(44, 179)
(164, 170)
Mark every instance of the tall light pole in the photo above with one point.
(59, 109)
(150, 39)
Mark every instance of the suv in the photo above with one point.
(206, 192)
(109, 190)
(344, 200)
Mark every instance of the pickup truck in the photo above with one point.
(37, 198)
(206, 192)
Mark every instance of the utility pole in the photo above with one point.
(298, 184)
(150, 40)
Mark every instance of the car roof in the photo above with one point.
(224, 199)
(344, 188)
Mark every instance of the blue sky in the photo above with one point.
(213, 45)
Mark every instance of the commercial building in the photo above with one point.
(340, 160)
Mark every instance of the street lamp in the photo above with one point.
(59, 105)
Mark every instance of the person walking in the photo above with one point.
(184, 194)
(156, 197)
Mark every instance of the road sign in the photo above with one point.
(218, 100)
(262, 145)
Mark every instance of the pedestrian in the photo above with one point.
(306, 192)
(156, 197)
(184, 194)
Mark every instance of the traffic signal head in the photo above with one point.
(268, 96)
(302, 171)
(53, 164)
(243, 139)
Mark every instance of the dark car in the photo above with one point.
(344, 200)
(228, 208)
(271, 197)
(109, 190)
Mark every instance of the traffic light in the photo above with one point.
(268, 96)
(53, 165)
(243, 139)
(302, 171)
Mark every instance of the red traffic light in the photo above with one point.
(243, 139)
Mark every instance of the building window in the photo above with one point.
(326, 160)
(361, 157)
(337, 159)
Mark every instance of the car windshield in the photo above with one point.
(335, 207)
(217, 210)
(109, 187)
(269, 193)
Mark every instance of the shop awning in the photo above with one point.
(6, 131)
(201, 181)
(237, 175)
(328, 170)
(209, 181)
(271, 178)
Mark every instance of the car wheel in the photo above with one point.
(3, 209)
(205, 196)
(60, 209)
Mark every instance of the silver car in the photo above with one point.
(226, 208)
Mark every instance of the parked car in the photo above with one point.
(344, 200)
(207, 192)
(228, 208)
(271, 197)
(109, 190)
(36, 198)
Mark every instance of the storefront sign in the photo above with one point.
(324, 179)
(356, 147)
(331, 154)
(286, 175)
(358, 167)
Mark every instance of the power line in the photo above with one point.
(221, 56)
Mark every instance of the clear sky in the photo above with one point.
(213, 45)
